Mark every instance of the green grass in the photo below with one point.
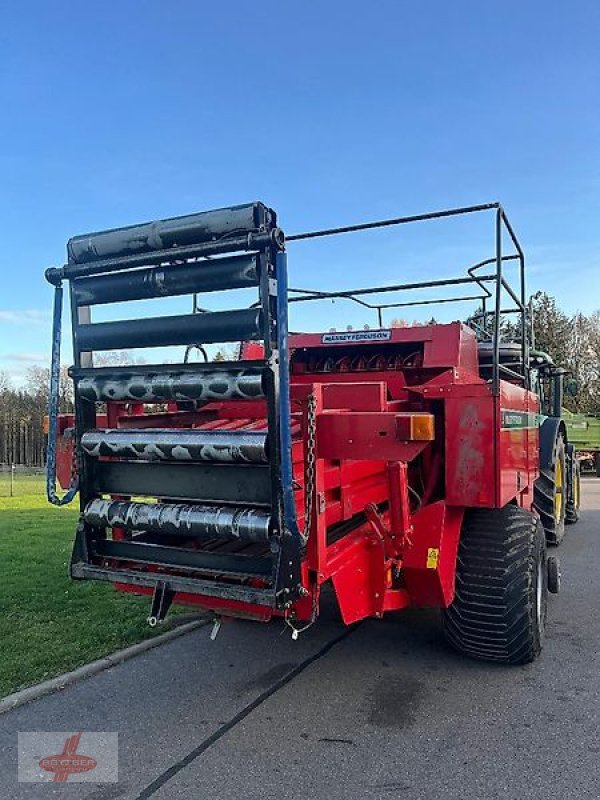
(48, 623)
(23, 485)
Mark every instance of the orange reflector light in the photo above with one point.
(415, 427)
(422, 427)
(46, 425)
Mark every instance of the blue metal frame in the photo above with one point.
(53, 409)
(285, 435)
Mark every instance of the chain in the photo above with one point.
(309, 484)
(313, 617)
(74, 460)
(309, 493)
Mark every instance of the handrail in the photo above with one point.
(501, 284)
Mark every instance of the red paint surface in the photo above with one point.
(366, 468)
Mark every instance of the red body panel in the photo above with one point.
(401, 498)
(518, 447)
(470, 446)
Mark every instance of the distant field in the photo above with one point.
(48, 623)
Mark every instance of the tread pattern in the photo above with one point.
(574, 494)
(544, 490)
(494, 613)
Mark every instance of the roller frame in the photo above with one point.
(108, 269)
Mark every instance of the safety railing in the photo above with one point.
(492, 285)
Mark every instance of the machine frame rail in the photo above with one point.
(490, 327)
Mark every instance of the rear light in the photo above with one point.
(415, 427)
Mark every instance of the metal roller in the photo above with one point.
(163, 234)
(168, 281)
(214, 326)
(157, 444)
(242, 384)
(182, 520)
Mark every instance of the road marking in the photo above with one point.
(166, 776)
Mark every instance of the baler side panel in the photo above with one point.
(469, 446)
(518, 442)
(533, 447)
(429, 562)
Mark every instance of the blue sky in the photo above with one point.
(331, 112)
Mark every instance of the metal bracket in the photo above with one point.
(215, 628)
(161, 603)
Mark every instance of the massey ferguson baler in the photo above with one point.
(401, 465)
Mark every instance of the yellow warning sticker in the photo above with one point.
(433, 555)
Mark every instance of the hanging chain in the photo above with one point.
(309, 493)
(74, 462)
(313, 618)
(309, 483)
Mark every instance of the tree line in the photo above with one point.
(572, 340)
(22, 411)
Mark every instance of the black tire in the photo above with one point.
(554, 575)
(597, 464)
(500, 604)
(549, 494)
(574, 488)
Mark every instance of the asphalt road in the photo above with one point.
(383, 710)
